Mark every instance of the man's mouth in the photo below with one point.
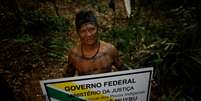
(90, 39)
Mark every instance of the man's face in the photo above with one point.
(88, 34)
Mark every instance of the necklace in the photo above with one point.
(92, 57)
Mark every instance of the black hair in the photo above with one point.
(84, 17)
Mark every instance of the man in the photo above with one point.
(91, 55)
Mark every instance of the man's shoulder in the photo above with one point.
(107, 47)
(106, 44)
(75, 51)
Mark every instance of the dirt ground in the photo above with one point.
(26, 85)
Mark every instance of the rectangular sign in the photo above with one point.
(129, 85)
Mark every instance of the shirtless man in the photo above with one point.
(91, 55)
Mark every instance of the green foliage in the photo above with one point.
(59, 44)
(68, 1)
(174, 51)
(23, 39)
(170, 43)
(175, 95)
(50, 30)
(37, 23)
(163, 34)
(102, 8)
(9, 23)
(39, 38)
(134, 41)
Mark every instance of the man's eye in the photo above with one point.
(91, 29)
(82, 31)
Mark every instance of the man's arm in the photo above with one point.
(117, 62)
(69, 68)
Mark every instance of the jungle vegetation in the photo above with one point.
(164, 34)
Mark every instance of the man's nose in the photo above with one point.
(88, 33)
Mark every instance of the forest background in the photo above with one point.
(35, 35)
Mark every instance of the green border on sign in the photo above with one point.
(59, 95)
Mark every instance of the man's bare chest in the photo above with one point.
(99, 64)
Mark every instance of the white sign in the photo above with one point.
(129, 85)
